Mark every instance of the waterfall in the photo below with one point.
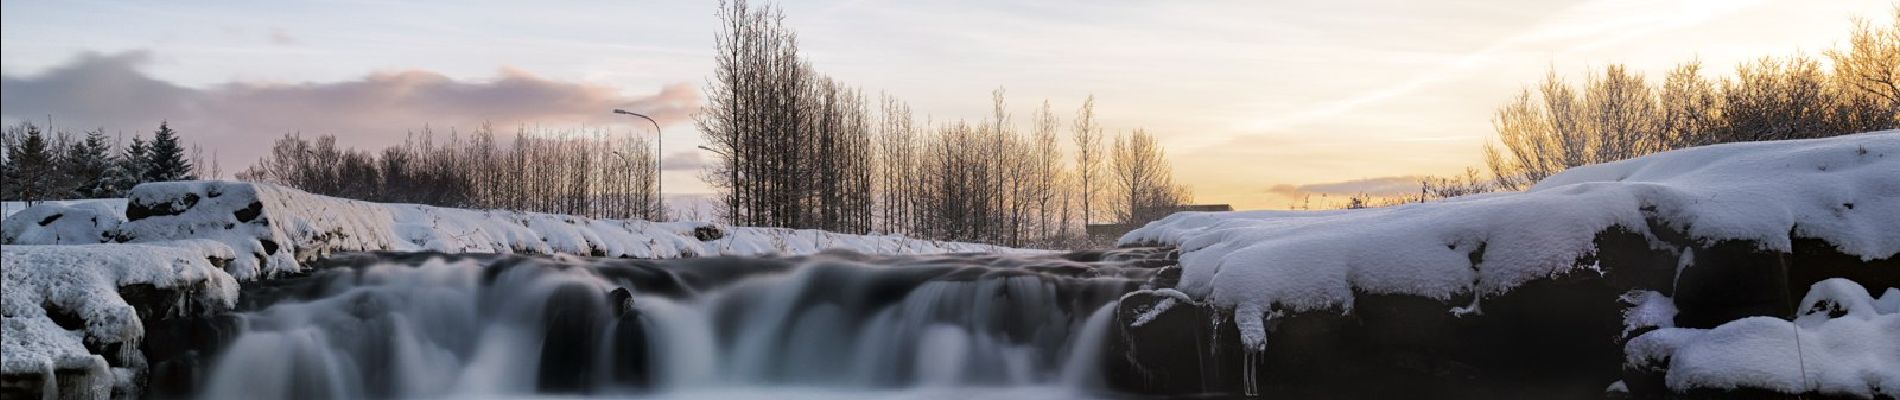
(483, 326)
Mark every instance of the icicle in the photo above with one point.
(1251, 320)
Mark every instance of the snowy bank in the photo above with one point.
(1843, 190)
(1845, 342)
(274, 229)
(63, 307)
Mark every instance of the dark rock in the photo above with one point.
(137, 210)
(1551, 338)
(1730, 280)
(622, 301)
(707, 233)
(249, 212)
(632, 364)
(574, 318)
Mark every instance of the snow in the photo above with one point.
(1855, 353)
(289, 226)
(1844, 190)
(8, 208)
(1649, 309)
(83, 281)
(1172, 297)
(76, 222)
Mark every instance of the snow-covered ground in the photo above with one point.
(1844, 190)
(273, 229)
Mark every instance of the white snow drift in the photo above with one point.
(1844, 190)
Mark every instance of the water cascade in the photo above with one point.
(389, 325)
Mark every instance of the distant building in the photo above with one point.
(1105, 233)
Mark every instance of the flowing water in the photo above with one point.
(835, 325)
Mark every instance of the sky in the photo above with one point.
(1257, 102)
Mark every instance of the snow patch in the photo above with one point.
(1172, 297)
(1648, 309)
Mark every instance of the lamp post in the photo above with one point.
(659, 146)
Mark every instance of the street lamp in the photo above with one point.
(659, 146)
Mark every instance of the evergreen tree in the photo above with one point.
(128, 169)
(165, 160)
(31, 175)
(86, 166)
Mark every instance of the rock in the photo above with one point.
(707, 233)
(60, 223)
(631, 366)
(1551, 338)
(574, 318)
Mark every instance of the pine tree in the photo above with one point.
(128, 169)
(31, 175)
(86, 165)
(165, 160)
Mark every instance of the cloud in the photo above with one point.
(1382, 186)
(683, 161)
(242, 118)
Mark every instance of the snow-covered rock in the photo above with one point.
(61, 299)
(81, 222)
(1843, 190)
(1845, 342)
(8, 208)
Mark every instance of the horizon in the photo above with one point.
(1368, 96)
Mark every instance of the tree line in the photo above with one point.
(586, 173)
(798, 149)
(1618, 113)
(38, 165)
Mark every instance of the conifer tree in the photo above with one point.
(128, 169)
(165, 160)
(30, 176)
(86, 164)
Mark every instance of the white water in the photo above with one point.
(838, 330)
